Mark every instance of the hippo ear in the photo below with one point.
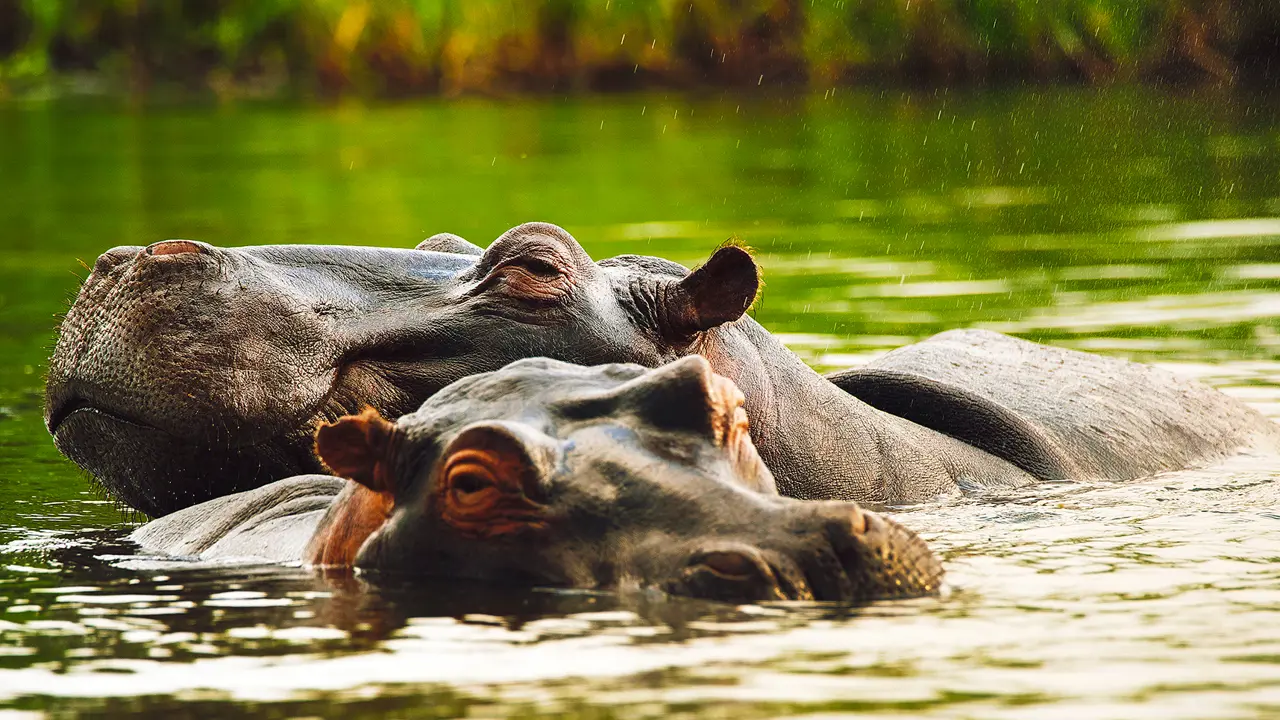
(718, 292)
(450, 243)
(359, 447)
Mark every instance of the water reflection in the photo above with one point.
(140, 624)
(1084, 600)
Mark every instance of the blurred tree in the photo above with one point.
(392, 47)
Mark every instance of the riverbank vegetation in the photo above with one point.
(415, 47)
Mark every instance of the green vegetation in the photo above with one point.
(398, 47)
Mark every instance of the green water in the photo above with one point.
(1127, 222)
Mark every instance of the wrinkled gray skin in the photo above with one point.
(214, 366)
(620, 477)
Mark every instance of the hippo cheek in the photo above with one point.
(157, 465)
(156, 473)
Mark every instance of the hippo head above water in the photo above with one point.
(184, 371)
(611, 477)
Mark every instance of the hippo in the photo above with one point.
(614, 477)
(185, 372)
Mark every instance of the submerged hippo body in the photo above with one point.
(185, 372)
(543, 473)
(1058, 414)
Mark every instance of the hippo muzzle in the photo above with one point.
(832, 552)
(184, 372)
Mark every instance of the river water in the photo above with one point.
(1128, 222)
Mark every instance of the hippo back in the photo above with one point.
(272, 523)
(1059, 414)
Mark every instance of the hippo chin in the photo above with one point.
(613, 477)
(185, 372)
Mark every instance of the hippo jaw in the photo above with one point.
(612, 478)
(155, 472)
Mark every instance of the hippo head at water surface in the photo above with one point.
(184, 371)
(611, 477)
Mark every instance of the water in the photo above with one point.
(1125, 222)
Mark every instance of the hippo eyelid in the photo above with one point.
(527, 278)
(510, 457)
(467, 479)
(483, 492)
(538, 258)
(472, 470)
(532, 263)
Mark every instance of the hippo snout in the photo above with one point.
(884, 559)
(841, 553)
(202, 362)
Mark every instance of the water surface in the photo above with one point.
(1131, 223)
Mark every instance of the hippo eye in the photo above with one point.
(529, 277)
(471, 484)
(482, 491)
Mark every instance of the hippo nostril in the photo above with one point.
(845, 519)
(738, 572)
(113, 257)
(174, 247)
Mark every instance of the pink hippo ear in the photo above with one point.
(717, 293)
(359, 448)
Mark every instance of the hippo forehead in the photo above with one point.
(647, 264)
(528, 388)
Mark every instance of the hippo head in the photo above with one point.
(611, 477)
(184, 371)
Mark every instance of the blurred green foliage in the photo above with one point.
(394, 47)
